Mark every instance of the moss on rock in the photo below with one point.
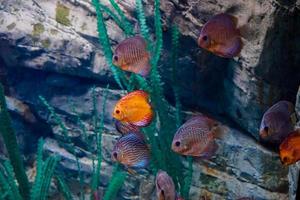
(53, 31)
(46, 43)
(38, 29)
(11, 26)
(62, 14)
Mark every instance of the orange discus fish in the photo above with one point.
(132, 55)
(196, 137)
(277, 123)
(290, 148)
(221, 36)
(134, 108)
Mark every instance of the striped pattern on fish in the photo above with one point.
(131, 151)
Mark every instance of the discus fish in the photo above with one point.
(290, 148)
(277, 122)
(126, 128)
(131, 151)
(134, 108)
(196, 137)
(132, 55)
(221, 36)
(165, 188)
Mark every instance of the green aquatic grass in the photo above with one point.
(115, 184)
(125, 24)
(174, 66)
(11, 144)
(159, 134)
(104, 40)
(45, 171)
(99, 130)
(64, 188)
(8, 184)
(160, 138)
(69, 144)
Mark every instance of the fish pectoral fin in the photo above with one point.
(220, 131)
(209, 151)
(125, 67)
(231, 49)
(145, 121)
(142, 67)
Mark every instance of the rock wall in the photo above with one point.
(50, 48)
(295, 169)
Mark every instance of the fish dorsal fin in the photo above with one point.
(137, 92)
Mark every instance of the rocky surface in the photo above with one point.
(295, 169)
(50, 48)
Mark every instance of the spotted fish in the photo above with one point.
(131, 151)
(221, 36)
(132, 55)
(165, 188)
(196, 137)
(277, 122)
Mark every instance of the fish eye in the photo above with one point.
(118, 111)
(115, 154)
(205, 38)
(177, 144)
(116, 58)
(285, 159)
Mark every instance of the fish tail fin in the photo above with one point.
(220, 131)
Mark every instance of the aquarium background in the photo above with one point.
(57, 78)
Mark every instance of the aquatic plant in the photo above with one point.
(68, 145)
(44, 173)
(11, 144)
(159, 134)
(63, 188)
(126, 26)
(115, 184)
(162, 156)
(103, 37)
(98, 126)
(99, 130)
(8, 186)
(174, 65)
